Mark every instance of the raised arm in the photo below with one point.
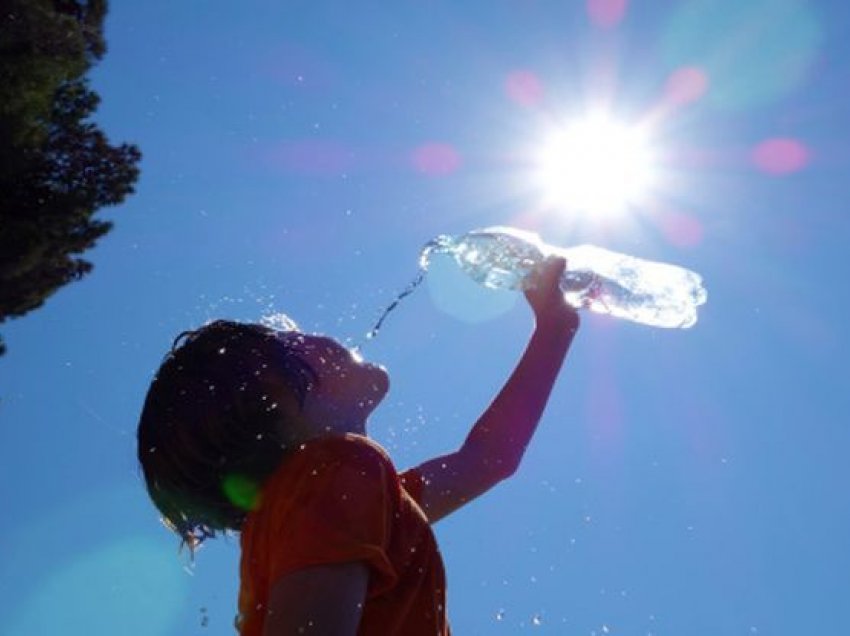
(495, 445)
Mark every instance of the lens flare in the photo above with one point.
(780, 156)
(686, 85)
(597, 165)
(241, 491)
(682, 230)
(436, 159)
(524, 88)
(606, 13)
(755, 52)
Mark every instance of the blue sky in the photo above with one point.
(297, 155)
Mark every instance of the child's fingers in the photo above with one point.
(545, 296)
(545, 280)
(551, 271)
(557, 266)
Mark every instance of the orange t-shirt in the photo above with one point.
(339, 499)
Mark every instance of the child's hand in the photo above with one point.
(546, 298)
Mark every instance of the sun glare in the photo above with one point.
(596, 165)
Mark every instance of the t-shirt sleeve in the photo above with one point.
(342, 510)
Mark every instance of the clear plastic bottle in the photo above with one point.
(602, 281)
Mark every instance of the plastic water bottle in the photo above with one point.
(602, 281)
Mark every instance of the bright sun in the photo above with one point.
(596, 165)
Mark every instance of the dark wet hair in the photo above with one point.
(210, 429)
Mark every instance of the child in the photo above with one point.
(250, 429)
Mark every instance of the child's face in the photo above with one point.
(347, 389)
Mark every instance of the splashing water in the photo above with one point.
(279, 321)
(438, 244)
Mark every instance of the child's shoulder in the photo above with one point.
(343, 450)
(328, 463)
(345, 443)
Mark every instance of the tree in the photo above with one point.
(57, 168)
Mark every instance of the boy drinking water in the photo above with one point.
(261, 431)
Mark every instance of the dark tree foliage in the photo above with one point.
(57, 168)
